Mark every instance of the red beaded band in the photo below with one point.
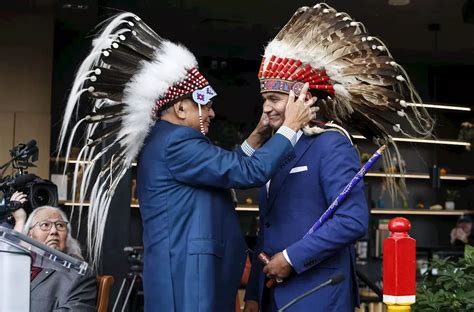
(194, 80)
(285, 74)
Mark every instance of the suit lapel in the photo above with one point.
(43, 275)
(277, 181)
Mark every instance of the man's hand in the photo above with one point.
(251, 306)
(300, 112)
(18, 198)
(278, 267)
(263, 126)
(261, 132)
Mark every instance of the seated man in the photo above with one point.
(53, 290)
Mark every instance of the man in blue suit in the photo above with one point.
(297, 195)
(194, 249)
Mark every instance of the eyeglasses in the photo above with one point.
(46, 225)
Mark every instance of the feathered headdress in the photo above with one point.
(131, 74)
(357, 80)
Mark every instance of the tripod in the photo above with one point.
(133, 280)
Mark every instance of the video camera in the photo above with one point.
(39, 192)
(135, 258)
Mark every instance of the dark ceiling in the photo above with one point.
(241, 28)
(232, 34)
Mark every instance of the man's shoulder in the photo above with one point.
(166, 133)
(176, 131)
(331, 137)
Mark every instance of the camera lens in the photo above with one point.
(43, 193)
(42, 197)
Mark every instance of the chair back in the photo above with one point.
(243, 283)
(103, 290)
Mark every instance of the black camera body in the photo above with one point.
(135, 258)
(39, 192)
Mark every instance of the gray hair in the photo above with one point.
(157, 115)
(72, 245)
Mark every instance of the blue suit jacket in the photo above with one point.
(299, 194)
(194, 249)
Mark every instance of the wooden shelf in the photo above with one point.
(70, 203)
(389, 211)
(424, 141)
(424, 176)
(376, 211)
(428, 212)
(75, 161)
(253, 208)
(86, 204)
(136, 206)
(246, 208)
(441, 106)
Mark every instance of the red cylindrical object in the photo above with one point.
(292, 69)
(280, 67)
(260, 71)
(285, 69)
(265, 259)
(399, 264)
(269, 66)
(322, 87)
(275, 66)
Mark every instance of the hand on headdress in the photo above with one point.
(299, 112)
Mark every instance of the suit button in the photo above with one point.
(267, 224)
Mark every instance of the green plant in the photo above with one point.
(451, 195)
(447, 285)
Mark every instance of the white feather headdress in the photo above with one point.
(357, 81)
(337, 56)
(131, 74)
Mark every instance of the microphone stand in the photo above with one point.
(370, 284)
(337, 278)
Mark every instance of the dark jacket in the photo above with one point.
(58, 290)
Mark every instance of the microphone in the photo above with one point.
(30, 144)
(335, 279)
(28, 148)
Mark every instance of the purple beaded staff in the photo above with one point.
(341, 197)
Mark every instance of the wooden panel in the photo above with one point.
(6, 136)
(26, 60)
(36, 126)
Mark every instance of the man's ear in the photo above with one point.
(179, 109)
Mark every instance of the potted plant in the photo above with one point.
(451, 196)
(447, 285)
